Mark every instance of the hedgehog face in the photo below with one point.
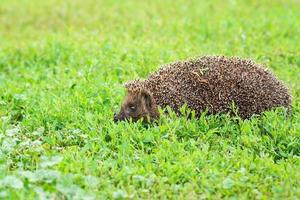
(137, 105)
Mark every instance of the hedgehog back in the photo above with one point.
(214, 83)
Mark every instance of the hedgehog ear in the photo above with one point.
(147, 98)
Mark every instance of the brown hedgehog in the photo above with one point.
(210, 82)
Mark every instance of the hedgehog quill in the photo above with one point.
(211, 83)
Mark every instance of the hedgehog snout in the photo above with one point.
(115, 117)
(118, 117)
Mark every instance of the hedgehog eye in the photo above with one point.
(132, 108)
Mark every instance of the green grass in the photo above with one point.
(62, 65)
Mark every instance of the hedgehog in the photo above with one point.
(214, 84)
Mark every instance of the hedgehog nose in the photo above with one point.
(115, 117)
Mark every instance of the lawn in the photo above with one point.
(62, 69)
